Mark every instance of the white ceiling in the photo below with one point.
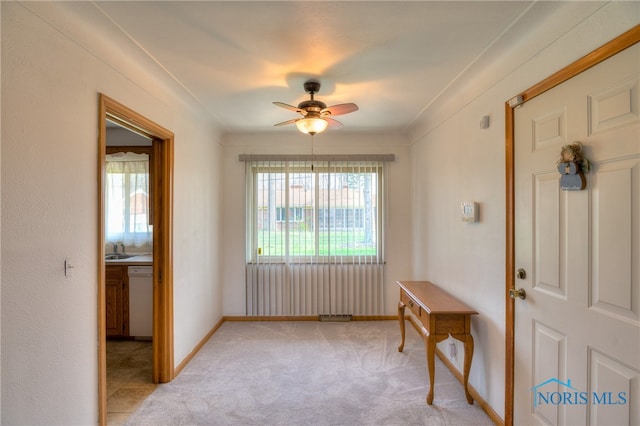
(393, 59)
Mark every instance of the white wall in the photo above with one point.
(52, 72)
(453, 160)
(52, 69)
(398, 229)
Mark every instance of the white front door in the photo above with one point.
(577, 333)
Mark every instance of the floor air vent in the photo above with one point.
(335, 318)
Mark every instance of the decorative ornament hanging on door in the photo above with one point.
(573, 166)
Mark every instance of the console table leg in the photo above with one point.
(430, 343)
(468, 355)
(401, 306)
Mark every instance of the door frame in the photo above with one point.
(162, 199)
(618, 44)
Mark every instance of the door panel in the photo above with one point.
(547, 204)
(549, 360)
(577, 334)
(612, 284)
(607, 373)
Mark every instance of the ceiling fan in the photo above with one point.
(316, 116)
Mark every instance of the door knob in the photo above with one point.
(517, 294)
(521, 274)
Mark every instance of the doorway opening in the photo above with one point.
(160, 218)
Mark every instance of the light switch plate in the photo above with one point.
(469, 211)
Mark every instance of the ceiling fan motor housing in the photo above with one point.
(312, 105)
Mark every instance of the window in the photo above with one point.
(314, 211)
(296, 214)
(127, 199)
(340, 218)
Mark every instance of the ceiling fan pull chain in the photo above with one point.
(312, 153)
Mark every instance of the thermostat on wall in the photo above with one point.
(469, 211)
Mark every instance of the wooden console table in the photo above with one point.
(441, 315)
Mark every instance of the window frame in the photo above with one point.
(254, 252)
(137, 149)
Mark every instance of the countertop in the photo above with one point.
(143, 259)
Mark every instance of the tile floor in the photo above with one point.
(129, 369)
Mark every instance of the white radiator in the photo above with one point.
(314, 289)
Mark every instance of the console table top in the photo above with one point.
(433, 299)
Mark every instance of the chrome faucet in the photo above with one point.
(122, 246)
(115, 248)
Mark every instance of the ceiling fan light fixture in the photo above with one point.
(316, 116)
(312, 125)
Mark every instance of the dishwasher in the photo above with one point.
(141, 302)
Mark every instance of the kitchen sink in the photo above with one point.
(118, 256)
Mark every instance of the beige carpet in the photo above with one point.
(309, 373)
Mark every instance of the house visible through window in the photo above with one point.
(302, 211)
(296, 214)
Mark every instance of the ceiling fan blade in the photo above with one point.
(340, 109)
(333, 124)
(287, 106)
(284, 123)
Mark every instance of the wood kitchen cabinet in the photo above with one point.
(117, 301)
